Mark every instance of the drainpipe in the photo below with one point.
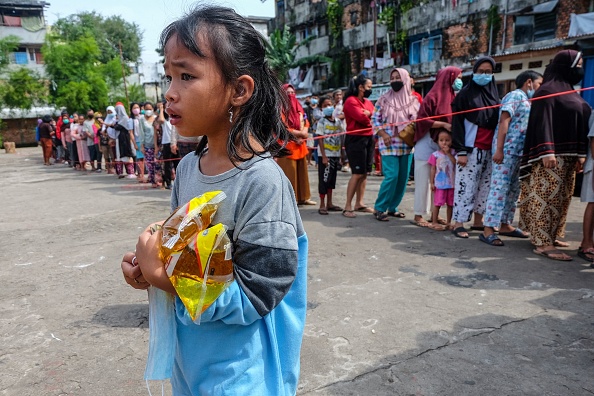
(504, 27)
(374, 5)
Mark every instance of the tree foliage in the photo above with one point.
(7, 45)
(23, 89)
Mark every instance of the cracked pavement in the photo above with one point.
(393, 309)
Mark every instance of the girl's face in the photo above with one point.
(290, 91)
(326, 103)
(196, 88)
(444, 140)
(395, 76)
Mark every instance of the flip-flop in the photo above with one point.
(334, 208)
(420, 223)
(548, 254)
(516, 233)
(349, 213)
(586, 254)
(477, 228)
(323, 211)
(399, 215)
(458, 231)
(380, 216)
(364, 209)
(491, 240)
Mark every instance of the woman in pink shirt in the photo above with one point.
(81, 143)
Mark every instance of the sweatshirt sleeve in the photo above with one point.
(351, 110)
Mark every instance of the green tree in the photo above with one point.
(8, 45)
(281, 53)
(23, 89)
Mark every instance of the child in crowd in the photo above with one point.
(443, 170)
(329, 130)
(248, 341)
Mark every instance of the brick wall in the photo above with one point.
(466, 40)
(564, 10)
(20, 131)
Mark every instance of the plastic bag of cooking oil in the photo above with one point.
(202, 270)
(187, 221)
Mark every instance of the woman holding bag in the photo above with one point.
(394, 112)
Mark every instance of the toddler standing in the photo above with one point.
(443, 173)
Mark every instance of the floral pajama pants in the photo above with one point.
(472, 185)
(504, 192)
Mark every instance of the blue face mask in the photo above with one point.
(66, 121)
(530, 93)
(328, 111)
(482, 79)
(314, 101)
(457, 85)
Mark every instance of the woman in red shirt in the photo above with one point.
(359, 143)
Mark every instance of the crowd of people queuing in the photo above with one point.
(479, 156)
(140, 144)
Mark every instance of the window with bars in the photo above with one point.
(425, 50)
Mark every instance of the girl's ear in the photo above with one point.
(243, 91)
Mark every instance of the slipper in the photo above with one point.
(381, 216)
(334, 208)
(517, 233)
(548, 254)
(399, 215)
(477, 228)
(458, 231)
(437, 227)
(421, 223)
(349, 213)
(559, 243)
(492, 240)
(323, 211)
(586, 254)
(364, 209)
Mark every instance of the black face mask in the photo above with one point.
(307, 102)
(90, 116)
(397, 85)
(367, 93)
(576, 74)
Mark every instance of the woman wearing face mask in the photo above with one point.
(508, 146)
(135, 126)
(438, 104)
(394, 110)
(359, 142)
(472, 135)
(147, 141)
(555, 147)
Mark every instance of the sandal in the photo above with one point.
(364, 209)
(437, 227)
(492, 240)
(323, 211)
(334, 208)
(381, 216)
(551, 253)
(516, 233)
(586, 254)
(399, 215)
(349, 213)
(477, 228)
(458, 232)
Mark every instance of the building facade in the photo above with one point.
(25, 19)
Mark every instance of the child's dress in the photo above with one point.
(445, 172)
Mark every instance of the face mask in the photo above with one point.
(142, 111)
(576, 74)
(457, 85)
(135, 111)
(314, 101)
(307, 102)
(66, 121)
(367, 93)
(90, 116)
(397, 85)
(148, 113)
(482, 79)
(328, 111)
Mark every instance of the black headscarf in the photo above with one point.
(474, 96)
(558, 125)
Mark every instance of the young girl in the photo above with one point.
(134, 125)
(249, 339)
(442, 179)
(329, 146)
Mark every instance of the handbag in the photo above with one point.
(408, 134)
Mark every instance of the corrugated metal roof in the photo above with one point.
(23, 3)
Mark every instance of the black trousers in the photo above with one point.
(168, 164)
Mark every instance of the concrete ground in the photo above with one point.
(394, 309)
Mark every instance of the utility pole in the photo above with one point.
(374, 5)
(124, 75)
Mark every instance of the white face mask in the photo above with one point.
(148, 113)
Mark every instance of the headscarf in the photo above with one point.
(474, 96)
(438, 101)
(293, 119)
(557, 125)
(123, 118)
(39, 121)
(110, 118)
(399, 107)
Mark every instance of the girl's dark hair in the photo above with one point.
(132, 115)
(148, 103)
(353, 88)
(323, 99)
(237, 49)
(525, 76)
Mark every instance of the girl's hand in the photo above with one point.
(367, 113)
(132, 273)
(579, 167)
(447, 126)
(549, 162)
(462, 160)
(432, 187)
(151, 266)
(498, 156)
(325, 160)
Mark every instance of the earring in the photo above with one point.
(231, 115)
